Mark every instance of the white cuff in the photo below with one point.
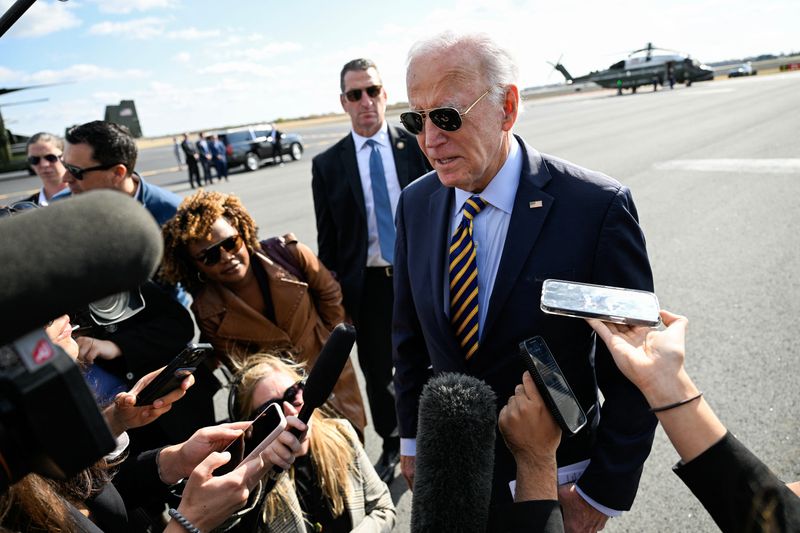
(408, 447)
(602, 508)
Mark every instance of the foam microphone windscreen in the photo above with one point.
(326, 370)
(75, 251)
(455, 455)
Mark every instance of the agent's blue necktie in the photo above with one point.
(383, 207)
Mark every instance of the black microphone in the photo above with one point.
(324, 374)
(455, 455)
(70, 254)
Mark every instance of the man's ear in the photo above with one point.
(342, 100)
(510, 107)
(120, 172)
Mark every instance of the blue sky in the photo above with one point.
(192, 64)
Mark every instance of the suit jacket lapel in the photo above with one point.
(399, 151)
(347, 156)
(527, 219)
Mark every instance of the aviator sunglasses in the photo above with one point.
(444, 118)
(290, 395)
(354, 95)
(34, 160)
(212, 255)
(78, 172)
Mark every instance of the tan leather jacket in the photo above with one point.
(235, 329)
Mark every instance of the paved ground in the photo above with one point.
(715, 171)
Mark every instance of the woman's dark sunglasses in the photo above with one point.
(444, 118)
(354, 95)
(212, 255)
(78, 172)
(290, 395)
(34, 160)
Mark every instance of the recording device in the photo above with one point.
(324, 375)
(552, 385)
(610, 304)
(43, 399)
(264, 428)
(71, 254)
(54, 260)
(455, 455)
(172, 375)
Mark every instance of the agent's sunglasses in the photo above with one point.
(290, 395)
(78, 172)
(212, 255)
(34, 160)
(17, 207)
(444, 118)
(354, 95)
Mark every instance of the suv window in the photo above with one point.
(238, 136)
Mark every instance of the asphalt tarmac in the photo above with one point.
(715, 173)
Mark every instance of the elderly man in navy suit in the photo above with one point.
(356, 185)
(475, 240)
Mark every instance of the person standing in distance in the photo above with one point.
(356, 185)
(475, 240)
(44, 157)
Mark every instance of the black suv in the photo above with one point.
(251, 145)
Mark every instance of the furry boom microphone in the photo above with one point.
(455, 455)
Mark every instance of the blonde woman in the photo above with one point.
(332, 485)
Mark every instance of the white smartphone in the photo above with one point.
(610, 304)
(264, 428)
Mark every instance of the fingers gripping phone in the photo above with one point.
(174, 373)
(264, 429)
(610, 304)
(552, 385)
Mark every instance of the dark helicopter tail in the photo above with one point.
(562, 69)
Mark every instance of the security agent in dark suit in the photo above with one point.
(518, 217)
(356, 185)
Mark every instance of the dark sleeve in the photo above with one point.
(326, 227)
(137, 480)
(626, 429)
(537, 516)
(411, 360)
(155, 335)
(739, 491)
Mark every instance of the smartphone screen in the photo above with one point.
(612, 304)
(552, 385)
(264, 428)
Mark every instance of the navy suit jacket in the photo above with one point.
(585, 229)
(341, 214)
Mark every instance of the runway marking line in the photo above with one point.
(740, 166)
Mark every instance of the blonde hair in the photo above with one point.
(332, 448)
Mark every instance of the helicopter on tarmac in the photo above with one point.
(643, 67)
(13, 151)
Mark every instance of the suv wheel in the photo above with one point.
(252, 161)
(296, 151)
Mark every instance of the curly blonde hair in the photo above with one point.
(332, 449)
(193, 221)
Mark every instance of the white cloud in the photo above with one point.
(129, 6)
(82, 72)
(262, 52)
(42, 18)
(182, 57)
(144, 28)
(193, 34)
(239, 67)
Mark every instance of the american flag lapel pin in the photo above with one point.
(535, 204)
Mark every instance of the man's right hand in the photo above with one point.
(408, 464)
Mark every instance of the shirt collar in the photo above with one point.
(502, 188)
(381, 137)
(138, 194)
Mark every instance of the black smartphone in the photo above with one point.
(264, 428)
(552, 385)
(171, 377)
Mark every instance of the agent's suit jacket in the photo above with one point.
(568, 223)
(341, 213)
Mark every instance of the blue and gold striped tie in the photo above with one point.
(464, 279)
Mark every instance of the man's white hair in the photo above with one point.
(497, 64)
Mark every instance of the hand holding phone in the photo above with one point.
(264, 428)
(174, 373)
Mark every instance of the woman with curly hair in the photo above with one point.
(332, 486)
(252, 296)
